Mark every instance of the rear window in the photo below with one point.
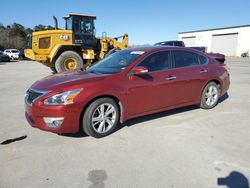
(168, 43)
(178, 43)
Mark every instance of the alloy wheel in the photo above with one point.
(211, 95)
(103, 118)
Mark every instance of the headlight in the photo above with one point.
(63, 98)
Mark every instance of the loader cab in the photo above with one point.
(83, 29)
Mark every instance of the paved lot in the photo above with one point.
(184, 148)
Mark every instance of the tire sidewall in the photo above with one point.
(59, 64)
(86, 120)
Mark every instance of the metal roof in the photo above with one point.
(220, 28)
(84, 15)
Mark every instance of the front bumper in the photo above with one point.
(36, 112)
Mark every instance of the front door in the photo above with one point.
(153, 90)
(83, 32)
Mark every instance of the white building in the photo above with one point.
(231, 41)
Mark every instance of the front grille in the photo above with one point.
(29, 41)
(32, 95)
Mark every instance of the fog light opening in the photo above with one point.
(53, 122)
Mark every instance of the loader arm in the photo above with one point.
(108, 44)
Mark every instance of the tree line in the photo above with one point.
(14, 35)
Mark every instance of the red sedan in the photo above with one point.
(124, 85)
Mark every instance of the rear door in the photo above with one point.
(191, 74)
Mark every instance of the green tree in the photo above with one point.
(43, 27)
(13, 36)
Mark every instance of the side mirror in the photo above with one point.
(139, 70)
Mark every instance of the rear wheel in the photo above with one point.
(68, 60)
(210, 96)
(100, 118)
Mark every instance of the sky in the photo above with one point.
(146, 21)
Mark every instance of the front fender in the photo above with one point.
(54, 51)
(122, 101)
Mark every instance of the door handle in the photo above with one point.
(171, 78)
(204, 71)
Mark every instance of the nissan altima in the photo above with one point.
(126, 84)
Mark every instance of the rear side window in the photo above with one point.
(203, 60)
(178, 43)
(157, 62)
(185, 59)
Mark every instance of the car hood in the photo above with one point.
(61, 81)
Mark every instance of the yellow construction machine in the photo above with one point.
(75, 47)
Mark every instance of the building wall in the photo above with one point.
(204, 38)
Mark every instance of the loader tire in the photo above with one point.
(53, 70)
(68, 60)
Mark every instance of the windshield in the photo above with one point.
(115, 62)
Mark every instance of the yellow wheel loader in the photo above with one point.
(75, 47)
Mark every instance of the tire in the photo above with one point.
(210, 96)
(96, 128)
(53, 69)
(62, 64)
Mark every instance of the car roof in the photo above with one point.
(170, 41)
(11, 49)
(150, 49)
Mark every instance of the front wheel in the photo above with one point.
(68, 60)
(100, 118)
(210, 96)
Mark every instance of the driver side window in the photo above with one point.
(158, 61)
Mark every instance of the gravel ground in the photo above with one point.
(183, 148)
